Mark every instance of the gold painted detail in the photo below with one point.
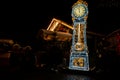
(79, 45)
(78, 62)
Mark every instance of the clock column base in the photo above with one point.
(79, 62)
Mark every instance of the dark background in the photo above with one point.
(21, 20)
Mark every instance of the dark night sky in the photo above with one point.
(22, 20)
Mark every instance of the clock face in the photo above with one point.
(79, 11)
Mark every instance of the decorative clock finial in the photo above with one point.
(80, 0)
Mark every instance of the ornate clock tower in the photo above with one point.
(79, 51)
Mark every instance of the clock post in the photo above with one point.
(79, 59)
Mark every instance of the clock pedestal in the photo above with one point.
(79, 62)
(79, 59)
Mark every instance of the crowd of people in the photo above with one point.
(48, 55)
(21, 58)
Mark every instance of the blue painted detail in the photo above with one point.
(79, 20)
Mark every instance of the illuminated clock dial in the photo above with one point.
(79, 10)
